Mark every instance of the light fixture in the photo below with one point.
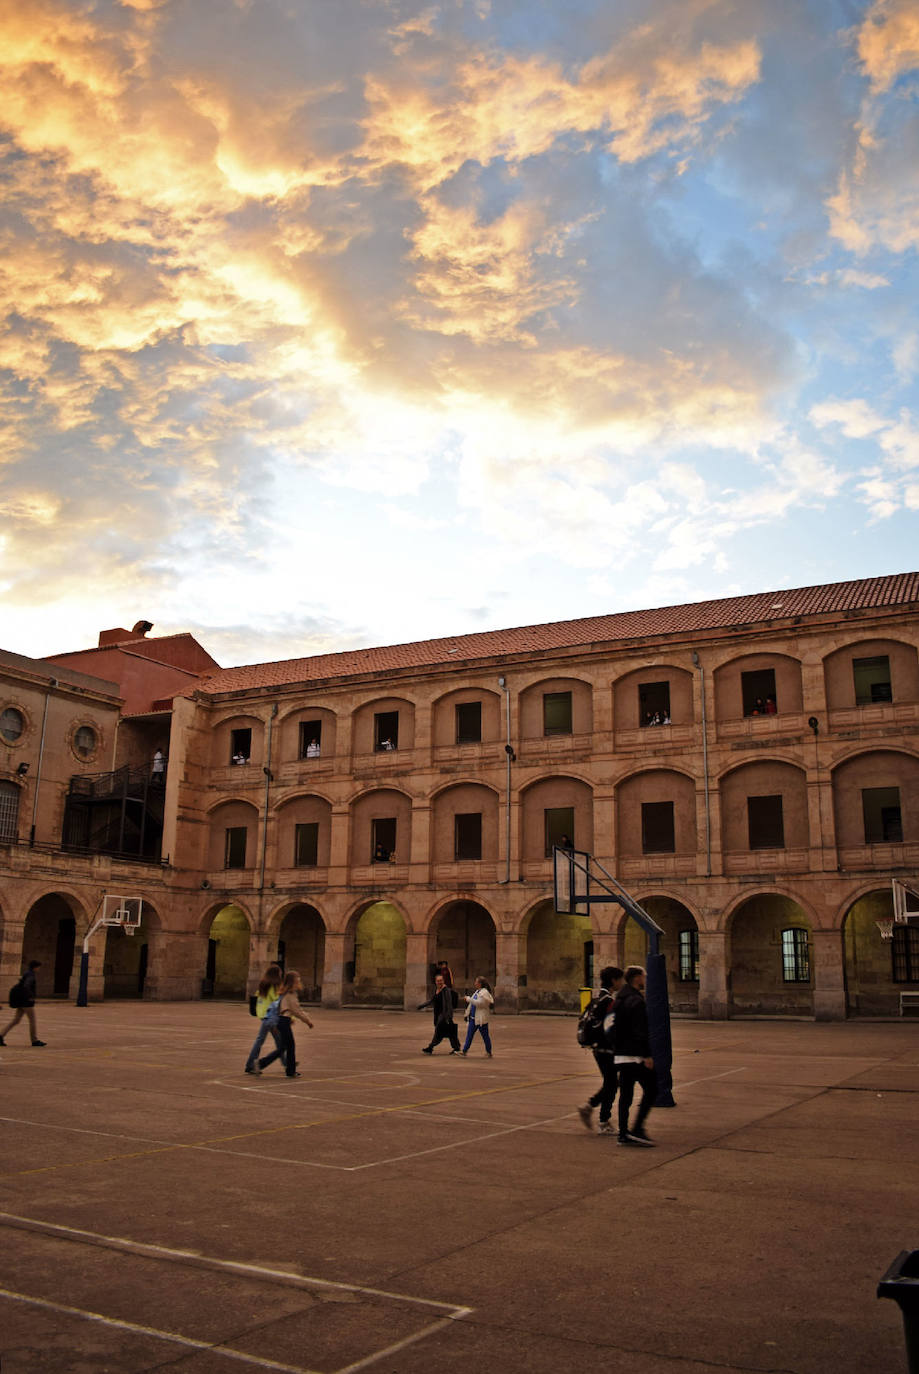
(814, 724)
(22, 770)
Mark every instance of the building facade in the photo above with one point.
(748, 769)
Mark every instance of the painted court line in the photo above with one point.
(450, 1311)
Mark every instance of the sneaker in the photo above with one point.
(2, 1041)
(456, 1052)
(605, 1128)
(427, 1050)
(585, 1113)
(39, 1042)
(254, 1069)
(638, 1137)
(294, 1075)
(625, 1140)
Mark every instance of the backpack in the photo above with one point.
(596, 1022)
(18, 996)
(273, 1014)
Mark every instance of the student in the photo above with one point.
(290, 1008)
(444, 1025)
(611, 980)
(26, 1006)
(266, 993)
(478, 1011)
(633, 1057)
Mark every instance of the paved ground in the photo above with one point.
(387, 1211)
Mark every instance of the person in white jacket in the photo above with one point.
(479, 1005)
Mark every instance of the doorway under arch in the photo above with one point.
(375, 976)
(50, 937)
(227, 967)
(125, 960)
(876, 971)
(559, 954)
(465, 937)
(301, 945)
(771, 965)
(680, 946)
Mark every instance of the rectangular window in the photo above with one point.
(240, 746)
(383, 839)
(306, 845)
(689, 956)
(556, 713)
(758, 692)
(904, 953)
(765, 825)
(872, 680)
(386, 731)
(9, 811)
(234, 850)
(795, 959)
(657, 835)
(559, 821)
(310, 739)
(469, 722)
(654, 703)
(881, 812)
(467, 835)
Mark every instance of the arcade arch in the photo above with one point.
(227, 963)
(771, 960)
(375, 974)
(126, 958)
(49, 935)
(876, 971)
(301, 946)
(559, 959)
(463, 933)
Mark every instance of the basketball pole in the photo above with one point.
(82, 994)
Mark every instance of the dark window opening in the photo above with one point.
(657, 833)
(765, 825)
(559, 821)
(758, 692)
(795, 958)
(556, 713)
(882, 816)
(469, 722)
(904, 954)
(689, 956)
(9, 811)
(654, 703)
(240, 746)
(306, 845)
(386, 731)
(84, 741)
(872, 680)
(234, 853)
(467, 835)
(310, 739)
(383, 840)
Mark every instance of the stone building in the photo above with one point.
(747, 768)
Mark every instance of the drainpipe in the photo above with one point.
(708, 808)
(52, 683)
(268, 779)
(509, 757)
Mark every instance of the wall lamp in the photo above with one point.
(510, 753)
(814, 724)
(268, 774)
(22, 770)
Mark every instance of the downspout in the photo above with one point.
(52, 682)
(708, 808)
(268, 778)
(509, 758)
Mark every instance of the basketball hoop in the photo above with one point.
(886, 928)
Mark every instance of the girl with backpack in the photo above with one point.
(266, 993)
(288, 1007)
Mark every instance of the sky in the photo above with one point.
(332, 323)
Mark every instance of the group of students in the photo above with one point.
(444, 1002)
(623, 1056)
(277, 1003)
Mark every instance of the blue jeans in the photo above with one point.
(263, 1032)
(471, 1032)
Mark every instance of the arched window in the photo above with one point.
(9, 811)
(796, 966)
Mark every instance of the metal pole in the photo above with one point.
(508, 756)
(708, 809)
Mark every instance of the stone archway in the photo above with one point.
(301, 946)
(227, 967)
(559, 955)
(464, 935)
(767, 964)
(869, 960)
(49, 935)
(375, 975)
(125, 960)
(680, 946)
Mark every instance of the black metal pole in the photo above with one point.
(659, 1027)
(82, 1000)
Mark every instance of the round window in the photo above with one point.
(84, 741)
(12, 724)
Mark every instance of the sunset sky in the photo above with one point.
(331, 323)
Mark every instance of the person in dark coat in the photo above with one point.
(26, 1006)
(633, 1057)
(611, 980)
(444, 1025)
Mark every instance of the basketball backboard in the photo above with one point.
(122, 911)
(571, 881)
(905, 901)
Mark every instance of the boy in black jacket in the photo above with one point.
(633, 1057)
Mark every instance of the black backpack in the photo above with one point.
(595, 1024)
(18, 997)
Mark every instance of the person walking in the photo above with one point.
(478, 1010)
(633, 1057)
(24, 993)
(611, 980)
(444, 1025)
(291, 985)
(265, 994)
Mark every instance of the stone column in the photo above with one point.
(714, 998)
(829, 975)
(260, 956)
(333, 969)
(416, 970)
(509, 964)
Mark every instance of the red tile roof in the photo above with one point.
(733, 611)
